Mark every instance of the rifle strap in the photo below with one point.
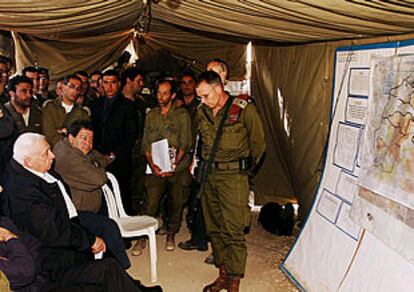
(215, 145)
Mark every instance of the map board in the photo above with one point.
(359, 235)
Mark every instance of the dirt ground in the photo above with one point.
(185, 271)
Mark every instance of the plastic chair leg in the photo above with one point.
(153, 254)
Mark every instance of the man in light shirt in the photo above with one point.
(38, 202)
(59, 113)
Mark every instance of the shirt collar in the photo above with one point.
(45, 176)
(68, 108)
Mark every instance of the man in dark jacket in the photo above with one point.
(33, 74)
(6, 131)
(115, 129)
(20, 257)
(37, 202)
(5, 64)
(25, 115)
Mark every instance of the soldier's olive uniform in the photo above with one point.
(55, 117)
(139, 163)
(226, 191)
(176, 127)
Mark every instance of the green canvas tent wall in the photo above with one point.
(294, 43)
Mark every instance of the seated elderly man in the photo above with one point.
(37, 201)
(83, 169)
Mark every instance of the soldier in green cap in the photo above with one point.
(226, 189)
(172, 123)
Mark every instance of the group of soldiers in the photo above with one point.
(199, 120)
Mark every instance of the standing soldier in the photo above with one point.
(58, 114)
(191, 101)
(172, 123)
(226, 189)
(197, 228)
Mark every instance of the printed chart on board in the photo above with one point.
(366, 194)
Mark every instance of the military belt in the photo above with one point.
(232, 165)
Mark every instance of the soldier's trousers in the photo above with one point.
(178, 194)
(227, 214)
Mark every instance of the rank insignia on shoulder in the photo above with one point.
(240, 102)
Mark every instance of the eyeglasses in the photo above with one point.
(70, 85)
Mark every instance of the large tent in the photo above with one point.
(294, 43)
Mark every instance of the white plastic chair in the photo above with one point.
(131, 226)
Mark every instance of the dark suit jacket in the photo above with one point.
(6, 123)
(6, 132)
(115, 130)
(22, 258)
(39, 208)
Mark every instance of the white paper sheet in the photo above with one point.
(329, 206)
(346, 146)
(160, 156)
(347, 187)
(356, 110)
(358, 82)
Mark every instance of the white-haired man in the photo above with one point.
(38, 203)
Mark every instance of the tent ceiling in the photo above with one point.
(69, 35)
(51, 19)
(296, 21)
(290, 21)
